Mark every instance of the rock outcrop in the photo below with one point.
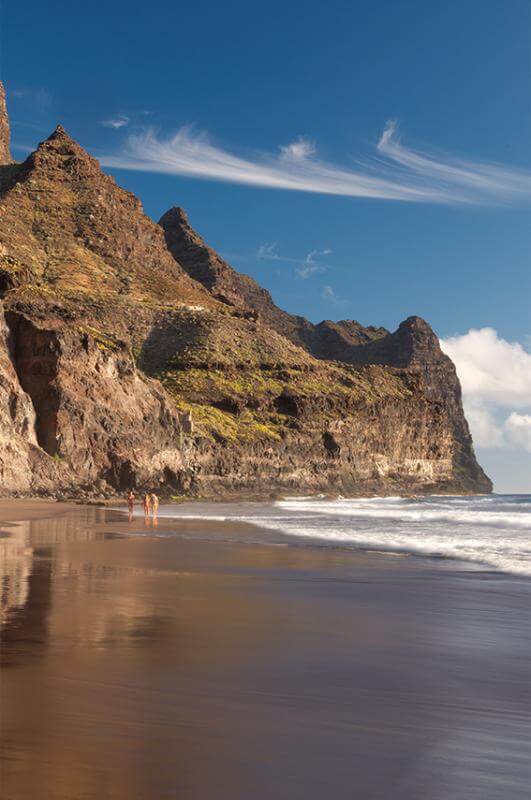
(5, 154)
(17, 423)
(326, 340)
(132, 355)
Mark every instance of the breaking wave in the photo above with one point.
(492, 531)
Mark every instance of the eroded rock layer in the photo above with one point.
(133, 356)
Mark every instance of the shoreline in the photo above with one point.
(236, 496)
(177, 514)
(31, 509)
(251, 530)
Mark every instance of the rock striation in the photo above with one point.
(132, 355)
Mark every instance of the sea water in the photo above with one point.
(492, 531)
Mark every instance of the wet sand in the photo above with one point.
(205, 660)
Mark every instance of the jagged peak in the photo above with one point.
(419, 332)
(62, 158)
(175, 223)
(415, 323)
(190, 249)
(59, 132)
(61, 137)
(175, 214)
(413, 342)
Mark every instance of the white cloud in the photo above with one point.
(491, 368)
(299, 149)
(117, 122)
(486, 431)
(480, 179)
(395, 173)
(496, 377)
(518, 430)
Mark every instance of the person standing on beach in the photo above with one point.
(147, 505)
(155, 504)
(131, 504)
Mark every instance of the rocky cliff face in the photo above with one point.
(132, 355)
(18, 442)
(5, 155)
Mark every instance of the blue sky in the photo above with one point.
(248, 79)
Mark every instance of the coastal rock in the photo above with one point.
(17, 423)
(95, 415)
(133, 356)
(5, 154)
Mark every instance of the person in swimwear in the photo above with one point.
(147, 505)
(131, 504)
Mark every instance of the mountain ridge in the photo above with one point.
(204, 265)
(133, 356)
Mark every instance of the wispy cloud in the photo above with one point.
(29, 110)
(310, 265)
(496, 380)
(31, 125)
(268, 252)
(40, 99)
(393, 172)
(477, 178)
(297, 150)
(22, 148)
(116, 122)
(328, 293)
(305, 267)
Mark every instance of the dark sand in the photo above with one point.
(156, 667)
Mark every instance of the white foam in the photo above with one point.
(496, 518)
(493, 530)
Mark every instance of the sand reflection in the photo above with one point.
(148, 665)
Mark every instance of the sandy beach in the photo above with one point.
(146, 663)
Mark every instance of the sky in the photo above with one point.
(362, 160)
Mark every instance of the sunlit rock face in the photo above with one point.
(133, 356)
(5, 155)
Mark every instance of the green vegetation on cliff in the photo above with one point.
(263, 403)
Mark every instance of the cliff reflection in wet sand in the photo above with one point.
(170, 667)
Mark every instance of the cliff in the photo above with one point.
(132, 355)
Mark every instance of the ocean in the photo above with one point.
(492, 531)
